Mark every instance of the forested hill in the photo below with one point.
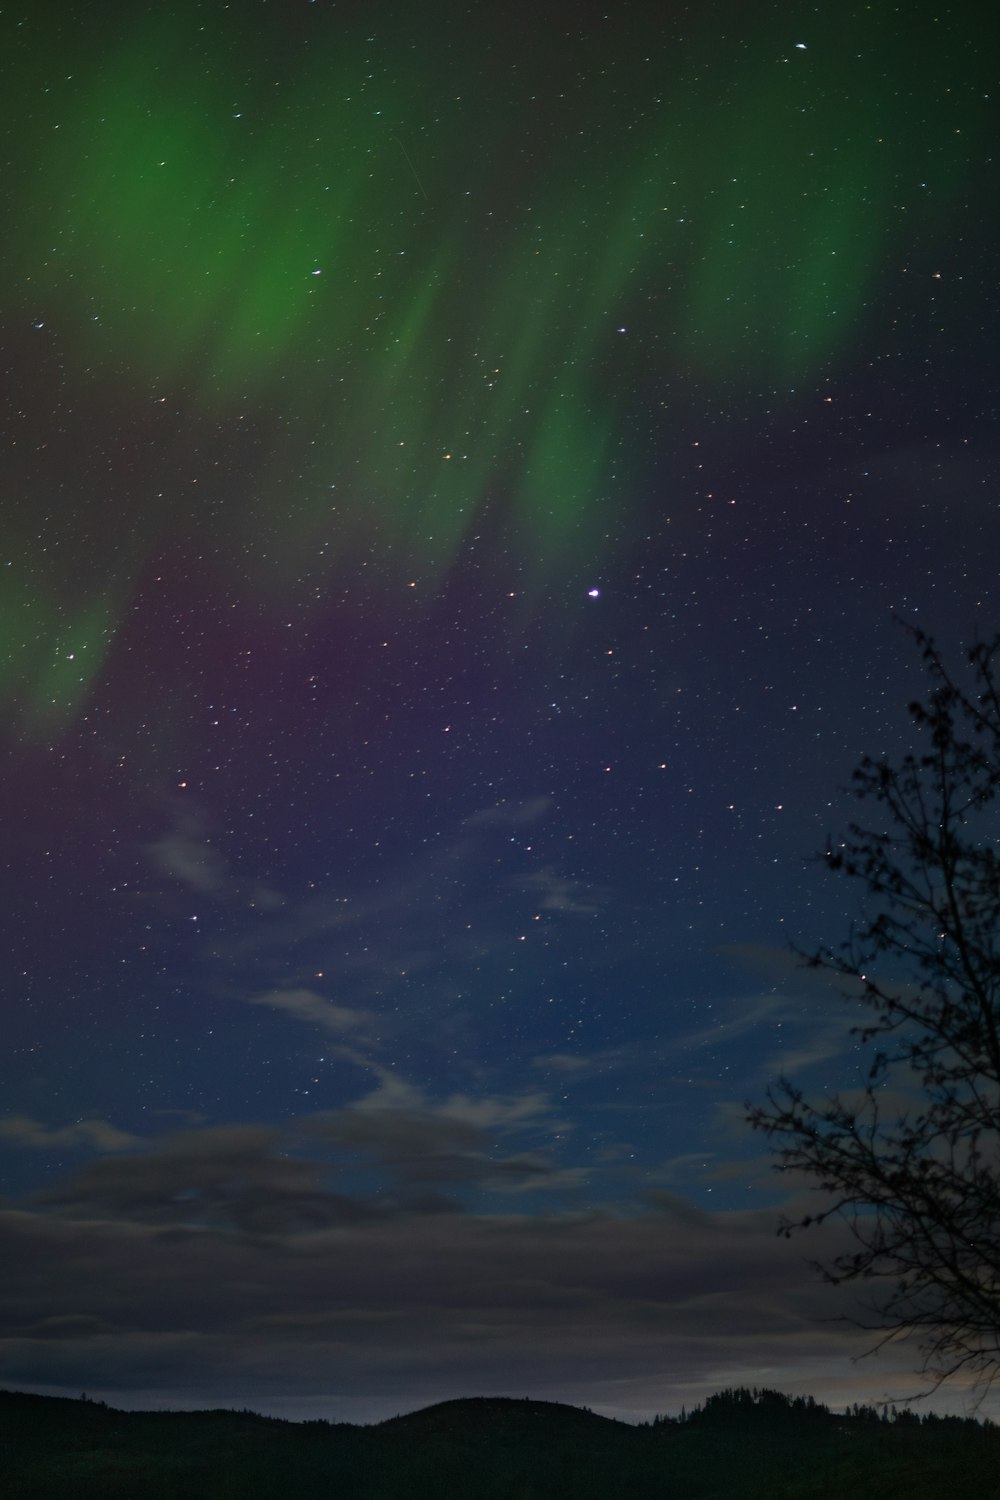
(741, 1445)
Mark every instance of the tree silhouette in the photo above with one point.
(911, 1160)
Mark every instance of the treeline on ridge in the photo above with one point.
(741, 1444)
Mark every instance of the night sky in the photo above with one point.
(460, 467)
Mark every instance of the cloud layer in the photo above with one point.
(343, 1255)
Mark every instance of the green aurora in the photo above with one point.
(324, 246)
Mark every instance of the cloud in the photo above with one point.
(454, 1142)
(680, 1209)
(554, 892)
(19, 1130)
(430, 930)
(510, 814)
(410, 1155)
(633, 1313)
(404, 1249)
(233, 1176)
(803, 1018)
(569, 1063)
(787, 970)
(185, 855)
(396, 1134)
(308, 1005)
(501, 1112)
(491, 1113)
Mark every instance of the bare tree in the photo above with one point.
(911, 1159)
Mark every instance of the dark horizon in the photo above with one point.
(731, 1400)
(742, 1445)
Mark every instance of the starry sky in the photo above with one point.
(461, 465)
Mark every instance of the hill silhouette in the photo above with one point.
(741, 1445)
(500, 1416)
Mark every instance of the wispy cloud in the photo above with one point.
(97, 1135)
(433, 925)
(186, 856)
(315, 1009)
(555, 892)
(273, 1179)
(510, 814)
